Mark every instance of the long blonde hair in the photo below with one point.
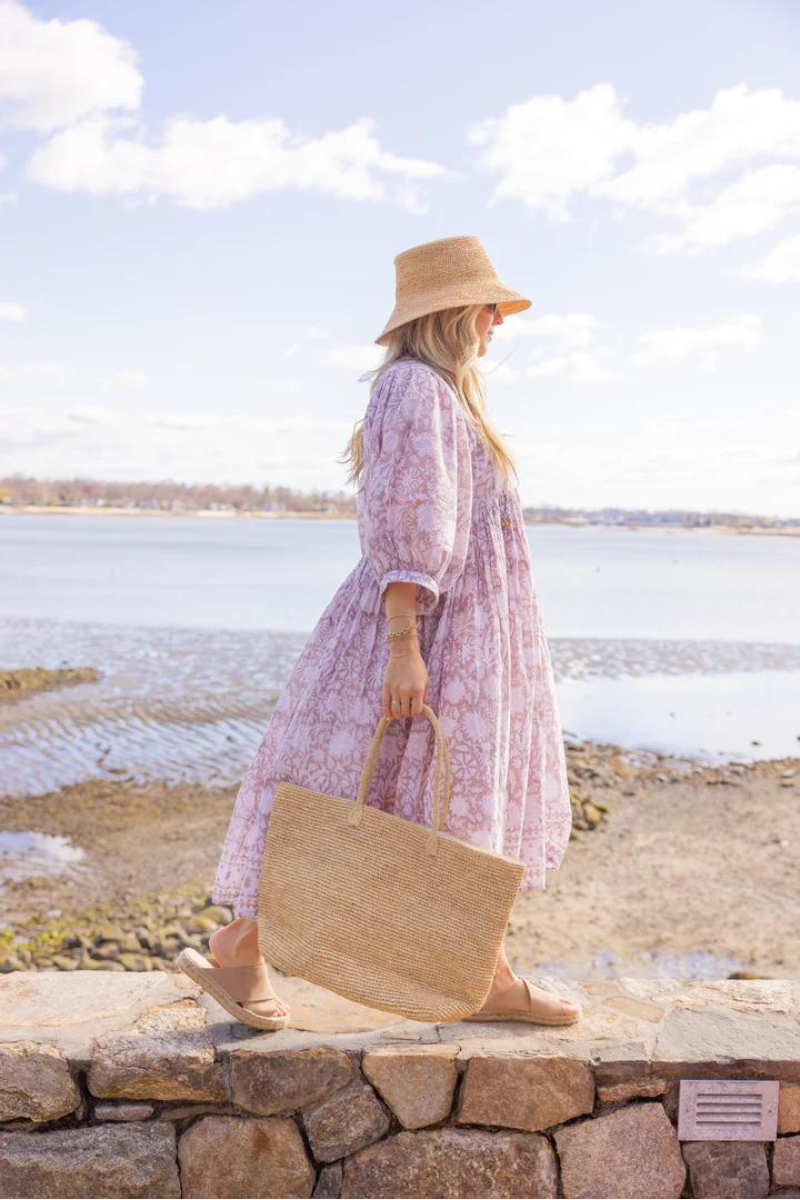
(448, 342)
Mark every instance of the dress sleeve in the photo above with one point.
(418, 485)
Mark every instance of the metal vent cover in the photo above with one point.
(728, 1110)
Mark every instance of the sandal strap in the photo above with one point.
(501, 1010)
(508, 986)
(245, 984)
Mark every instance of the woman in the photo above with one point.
(441, 609)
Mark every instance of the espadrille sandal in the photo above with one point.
(233, 987)
(498, 1013)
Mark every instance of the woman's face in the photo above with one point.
(489, 316)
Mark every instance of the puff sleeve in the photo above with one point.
(416, 503)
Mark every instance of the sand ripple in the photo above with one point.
(186, 705)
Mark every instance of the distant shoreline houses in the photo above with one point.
(25, 494)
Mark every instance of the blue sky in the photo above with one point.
(200, 205)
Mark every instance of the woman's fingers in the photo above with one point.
(404, 689)
(411, 702)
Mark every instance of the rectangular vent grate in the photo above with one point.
(733, 1110)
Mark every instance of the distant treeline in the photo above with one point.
(679, 517)
(167, 496)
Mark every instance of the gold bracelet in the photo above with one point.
(402, 633)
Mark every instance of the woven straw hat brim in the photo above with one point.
(507, 300)
(450, 272)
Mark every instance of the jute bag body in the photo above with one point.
(381, 910)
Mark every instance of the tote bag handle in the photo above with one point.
(442, 756)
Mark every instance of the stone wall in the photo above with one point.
(138, 1084)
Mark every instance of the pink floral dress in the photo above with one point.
(433, 511)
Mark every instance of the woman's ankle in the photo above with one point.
(238, 941)
(504, 973)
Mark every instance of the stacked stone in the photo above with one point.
(171, 1104)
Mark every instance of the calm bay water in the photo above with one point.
(682, 642)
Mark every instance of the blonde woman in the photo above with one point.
(445, 567)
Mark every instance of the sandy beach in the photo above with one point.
(667, 858)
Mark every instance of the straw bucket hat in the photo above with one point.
(446, 274)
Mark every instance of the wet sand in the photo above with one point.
(666, 858)
(701, 867)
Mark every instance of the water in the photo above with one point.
(251, 573)
(680, 642)
(174, 571)
(25, 853)
(607, 964)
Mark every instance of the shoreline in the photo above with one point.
(206, 514)
(666, 858)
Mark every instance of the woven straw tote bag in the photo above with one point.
(381, 910)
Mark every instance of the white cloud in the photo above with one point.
(124, 379)
(712, 457)
(73, 80)
(549, 151)
(59, 375)
(353, 358)
(658, 463)
(312, 333)
(47, 373)
(754, 204)
(213, 164)
(98, 441)
(499, 373)
(781, 264)
(669, 347)
(53, 73)
(569, 329)
(277, 386)
(32, 374)
(737, 126)
(13, 312)
(700, 466)
(565, 346)
(579, 366)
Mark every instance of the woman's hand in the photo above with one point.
(405, 679)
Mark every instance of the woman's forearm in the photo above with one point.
(400, 599)
(405, 683)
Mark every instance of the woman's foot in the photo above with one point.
(542, 1005)
(512, 992)
(236, 945)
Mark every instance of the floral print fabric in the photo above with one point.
(433, 511)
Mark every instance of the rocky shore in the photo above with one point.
(40, 679)
(665, 856)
